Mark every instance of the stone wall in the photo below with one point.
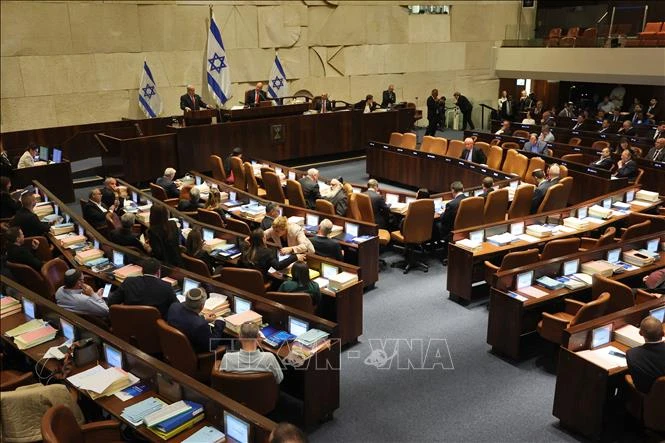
(65, 63)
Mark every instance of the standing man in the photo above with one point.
(465, 108)
(432, 112)
(653, 111)
(473, 154)
(389, 98)
(192, 101)
(507, 109)
(255, 96)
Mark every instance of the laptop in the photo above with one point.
(350, 231)
(297, 327)
(311, 223)
(236, 430)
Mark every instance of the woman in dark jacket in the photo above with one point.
(300, 282)
(262, 257)
(194, 245)
(164, 237)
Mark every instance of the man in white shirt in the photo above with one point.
(78, 297)
(546, 135)
(504, 129)
(27, 160)
(250, 358)
(606, 105)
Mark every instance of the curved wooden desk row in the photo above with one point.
(306, 385)
(153, 372)
(511, 319)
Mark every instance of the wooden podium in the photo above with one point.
(201, 117)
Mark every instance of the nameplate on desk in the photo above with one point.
(461, 163)
(400, 150)
(496, 174)
(448, 159)
(603, 135)
(386, 147)
(577, 149)
(483, 170)
(500, 137)
(414, 152)
(472, 166)
(430, 156)
(593, 171)
(657, 165)
(575, 132)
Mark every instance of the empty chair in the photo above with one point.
(651, 30)
(553, 200)
(576, 158)
(553, 37)
(210, 218)
(650, 411)
(258, 391)
(520, 133)
(217, 167)
(494, 157)
(294, 194)
(158, 192)
(353, 211)
(637, 230)
(408, 140)
(560, 247)
(32, 280)
(567, 42)
(495, 142)
(534, 163)
(238, 172)
(237, 226)
(250, 179)
(59, 425)
(521, 204)
(324, 206)
(573, 32)
(54, 272)
(621, 296)
(249, 280)
(657, 221)
(395, 139)
(575, 141)
(298, 300)
(428, 142)
(195, 265)
(600, 145)
(416, 230)
(551, 327)
(588, 38)
(510, 158)
(455, 148)
(496, 205)
(273, 185)
(510, 261)
(469, 213)
(518, 166)
(607, 238)
(137, 325)
(567, 183)
(439, 146)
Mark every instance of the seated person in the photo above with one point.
(337, 196)
(255, 96)
(236, 152)
(657, 153)
(289, 236)
(147, 289)
(323, 104)
(626, 167)
(310, 187)
(447, 218)
(367, 105)
(546, 134)
(542, 185)
(27, 220)
(554, 174)
(250, 358)
(605, 161)
(94, 211)
(188, 319)
(78, 297)
(488, 186)
(166, 182)
(163, 236)
(379, 207)
(27, 160)
(504, 129)
(300, 282)
(325, 246)
(646, 363)
(579, 124)
(193, 203)
(473, 153)
(528, 120)
(535, 145)
(123, 235)
(272, 212)
(19, 252)
(8, 206)
(111, 195)
(286, 432)
(262, 257)
(604, 127)
(626, 129)
(214, 203)
(655, 282)
(194, 245)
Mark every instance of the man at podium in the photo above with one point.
(192, 101)
(255, 96)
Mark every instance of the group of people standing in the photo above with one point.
(436, 110)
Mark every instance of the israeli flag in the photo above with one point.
(149, 100)
(277, 86)
(219, 77)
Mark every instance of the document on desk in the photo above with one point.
(641, 203)
(532, 291)
(603, 358)
(528, 238)
(81, 376)
(32, 325)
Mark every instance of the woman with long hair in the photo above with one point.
(300, 282)
(194, 248)
(262, 257)
(164, 236)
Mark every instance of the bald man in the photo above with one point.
(389, 98)
(255, 96)
(192, 101)
(647, 362)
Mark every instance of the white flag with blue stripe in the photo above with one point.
(149, 100)
(219, 77)
(277, 86)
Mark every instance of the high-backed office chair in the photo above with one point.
(521, 204)
(588, 38)
(657, 221)
(158, 192)
(567, 183)
(494, 157)
(520, 165)
(553, 37)
(469, 213)
(112, 221)
(294, 194)
(599, 145)
(53, 271)
(510, 261)
(495, 142)
(455, 148)
(258, 391)
(353, 211)
(621, 296)
(607, 238)
(59, 425)
(184, 191)
(551, 327)
(439, 146)
(496, 205)
(416, 230)
(395, 139)
(137, 325)
(534, 163)
(637, 230)
(195, 265)
(273, 185)
(298, 300)
(553, 200)
(651, 30)
(210, 217)
(249, 280)
(32, 280)
(217, 168)
(178, 352)
(511, 154)
(426, 145)
(563, 171)
(520, 133)
(324, 206)
(573, 32)
(408, 140)
(567, 42)
(239, 226)
(483, 146)
(648, 408)
(560, 247)
(575, 141)
(365, 213)
(510, 145)
(10, 379)
(238, 174)
(252, 184)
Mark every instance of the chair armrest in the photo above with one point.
(107, 430)
(552, 321)
(643, 296)
(572, 306)
(587, 243)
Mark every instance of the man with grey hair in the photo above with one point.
(192, 101)
(554, 174)
(310, 187)
(324, 245)
(646, 363)
(250, 358)
(193, 203)
(534, 145)
(546, 134)
(379, 207)
(110, 194)
(337, 196)
(169, 185)
(272, 212)
(123, 235)
(188, 319)
(473, 154)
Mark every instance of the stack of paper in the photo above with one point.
(85, 257)
(636, 258)
(629, 335)
(52, 218)
(62, 228)
(173, 282)
(601, 267)
(100, 382)
(42, 210)
(336, 230)
(342, 280)
(539, 231)
(25, 327)
(528, 238)
(138, 411)
(467, 243)
(621, 206)
(648, 196)
(8, 306)
(234, 322)
(310, 342)
(167, 425)
(399, 207)
(603, 358)
(313, 273)
(322, 282)
(577, 281)
(502, 239)
(211, 245)
(600, 212)
(143, 216)
(127, 271)
(35, 337)
(217, 305)
(532, 291)
(575, 223)
(71, 240)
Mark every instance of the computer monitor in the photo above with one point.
(297, 327)
(328, 270)
(198, 181)
(351, 229)
(659, 313)
(524, 280)
(57, 155)
(28, 307)
(278, 171)
(188, 283)
(613, 255)
(652, 245)
(477, 236)
(135, 197)
(253, 202)
(630, 196)
(113, 356)
(208, 234)
(56, 209)
(601, 336)
(43, 153)
(232, 196)
(477, 192)
(392, 198)
(607, 203)
(81, 230)
(582, 212)
(311, 220)
(513, 184)
(241, 305)
(410, 200)
(517, 228)
(118, 258)
(570, 267)
(236, 430)
(67, 329)
(95, 244)
(292, 175)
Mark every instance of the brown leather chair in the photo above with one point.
(588, 38)
(483, 146)
(621, 296)
(366, 214)
(238, 226)
(599, 145)
(495, 142)
(510, 145)
(607, 238)
(508, 162)
(638, 178)
(10, 379)
(551, 327)
(210, 218)
(238, 174)
(195, 265)
(294, 194)
(32, 280)
(137, 325)
(217, 167)
(252, 184)
(395, 139)
(648, 410)
(324, 206)
(521, 204)
(416, 230)
(44, 251)
(494, 157)
(575, 141)
(469, 213)
(112, 221)
(258, 391)
(184, 191)
(409, 140)
(643, 296)
(427, 143)
(567, 183)
(573, 32)
(298, 300)
(158, 192)
(560, 247)
(455, 148)
(439, 146)
(576, 158)
(519, 165)
(567, 42)
(637, 230)
(53, 271)
(496, 205)
(58, 425)
(534, 163)
(353, 211)
(510, 261)
(520, 133)
(178, 352)
(172, 202)
(273, 185)
(657, 221)
(553, 37)
(249, 280)
(553, 200)
(563, 171)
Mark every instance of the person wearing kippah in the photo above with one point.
(188, 319)
(79, 297)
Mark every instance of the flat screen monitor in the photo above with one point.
(278, 171)
(652, 245)
(43, 153)
(659, 313)
(208, 234)
(232, 196)
(95, 244)
(118, 259)
(67, 329)
(601, 336)
(524, 280)
(57, 155)
(477, 236)
(198, 181)
(477, 192)
(237, 430)
(292, 175)
(28, 307)
(328, 270)
(351, 229)
(188, 283)
(392, 198)
(607, 203)
(582, 212)
(410, 200)
(517, 228)
(297, 327)
(570, 267)
(630, 196)
(113, 356)
(135, 197)
(613, 255)
(312, 220)
(185, 224)
(241, 305)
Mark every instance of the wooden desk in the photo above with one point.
(57, 176)
(264, 111)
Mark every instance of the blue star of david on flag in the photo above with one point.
(149, 100)
(149, 91)
(277, 85)
(217, 63)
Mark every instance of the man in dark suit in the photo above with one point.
(110, 195)
(658, 132)
(310, 187)
(236, 152)
(605, 161)
(123, 235)
(488, 186)
(657, 153)
(192, 101)
(654, 111)
(18, 252)
(368, 104)
(472, 153)
(626, 167)
(542, 185)
(255, 96)
(8, 205)
(193, 203)
(447, 218)
(379, 206)
(187, 318)
(465, 108)
(626, 129)
(579, 124)
(272, 212)
(169, 185)
(605, 127)
(26, 219)
(507, 109)
(646, 363)
(325, 246)
(323, 105)
(615, 117)
(433, 112)
(389, 98)
(6, 167)
(147, 289)
(94, 211)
